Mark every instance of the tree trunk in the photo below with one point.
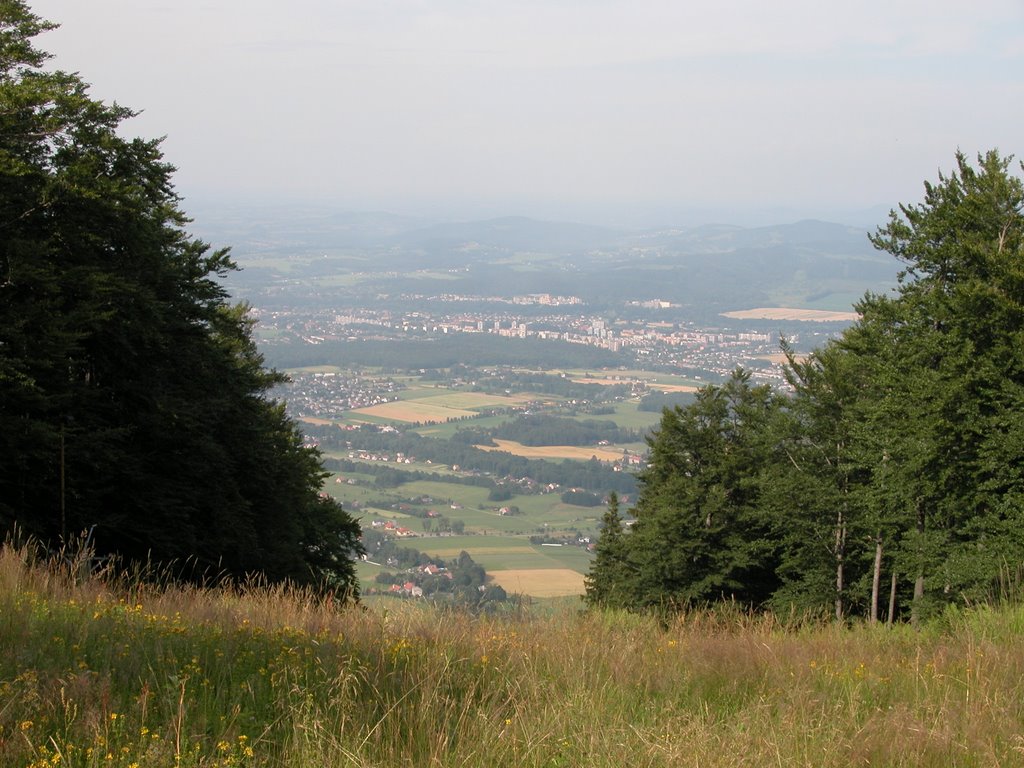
(915, 611)
(876, 578)
(892, 599)
(840, 562)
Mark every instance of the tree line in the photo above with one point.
(592, 474)
(539, 430)
(888, 483)
(445, 351)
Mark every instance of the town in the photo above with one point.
(679, 346)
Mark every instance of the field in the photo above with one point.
(316, 421)
(100, 671)
(498, 542)
(583, 453)
(424, 404)
(413, 411)
(791, 313)
(448, 429)
(560, 582)
(506, 553)
(475, 401)
(626, 416)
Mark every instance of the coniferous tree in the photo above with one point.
(701, 532)
(607, 582)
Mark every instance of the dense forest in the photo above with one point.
(133, 401)
(889, 483)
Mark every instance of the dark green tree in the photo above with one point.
(953, 376)
(133, 401)
(607, 582)
(897, 454)
(817, 487)
(701, 532)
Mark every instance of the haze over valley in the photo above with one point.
(682, 298)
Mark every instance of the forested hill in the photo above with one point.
(890, 483)
(289, 257)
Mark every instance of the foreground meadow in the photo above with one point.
(97, 672)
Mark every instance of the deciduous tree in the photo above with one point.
(132, 399)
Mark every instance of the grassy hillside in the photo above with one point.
(101, 673)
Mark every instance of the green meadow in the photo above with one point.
(98, 670)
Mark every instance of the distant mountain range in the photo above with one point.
(815, 264)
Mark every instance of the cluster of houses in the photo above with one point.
(325, 395)
(411, 588)
(400, 458)
(390, 526)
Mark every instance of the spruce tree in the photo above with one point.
(702, 532)
(607, 583)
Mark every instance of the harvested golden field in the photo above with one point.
(547, 582)
(660, 382)
(475, 400)
(315, 420)
(413, 410)
(606, 382)
(583, 452)
(672, 387)
(791, 313)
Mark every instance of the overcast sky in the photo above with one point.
(604, 109)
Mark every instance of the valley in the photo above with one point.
(480, 387)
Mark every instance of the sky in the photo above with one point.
(648, 111)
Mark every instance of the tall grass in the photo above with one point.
(100, 671)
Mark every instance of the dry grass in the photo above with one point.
(260, 677)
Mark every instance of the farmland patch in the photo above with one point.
(548, 582)
(413, 410)
(472, 400)
(583, 453)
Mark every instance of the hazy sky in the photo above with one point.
(604, 108)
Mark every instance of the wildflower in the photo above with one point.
(25, 725)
